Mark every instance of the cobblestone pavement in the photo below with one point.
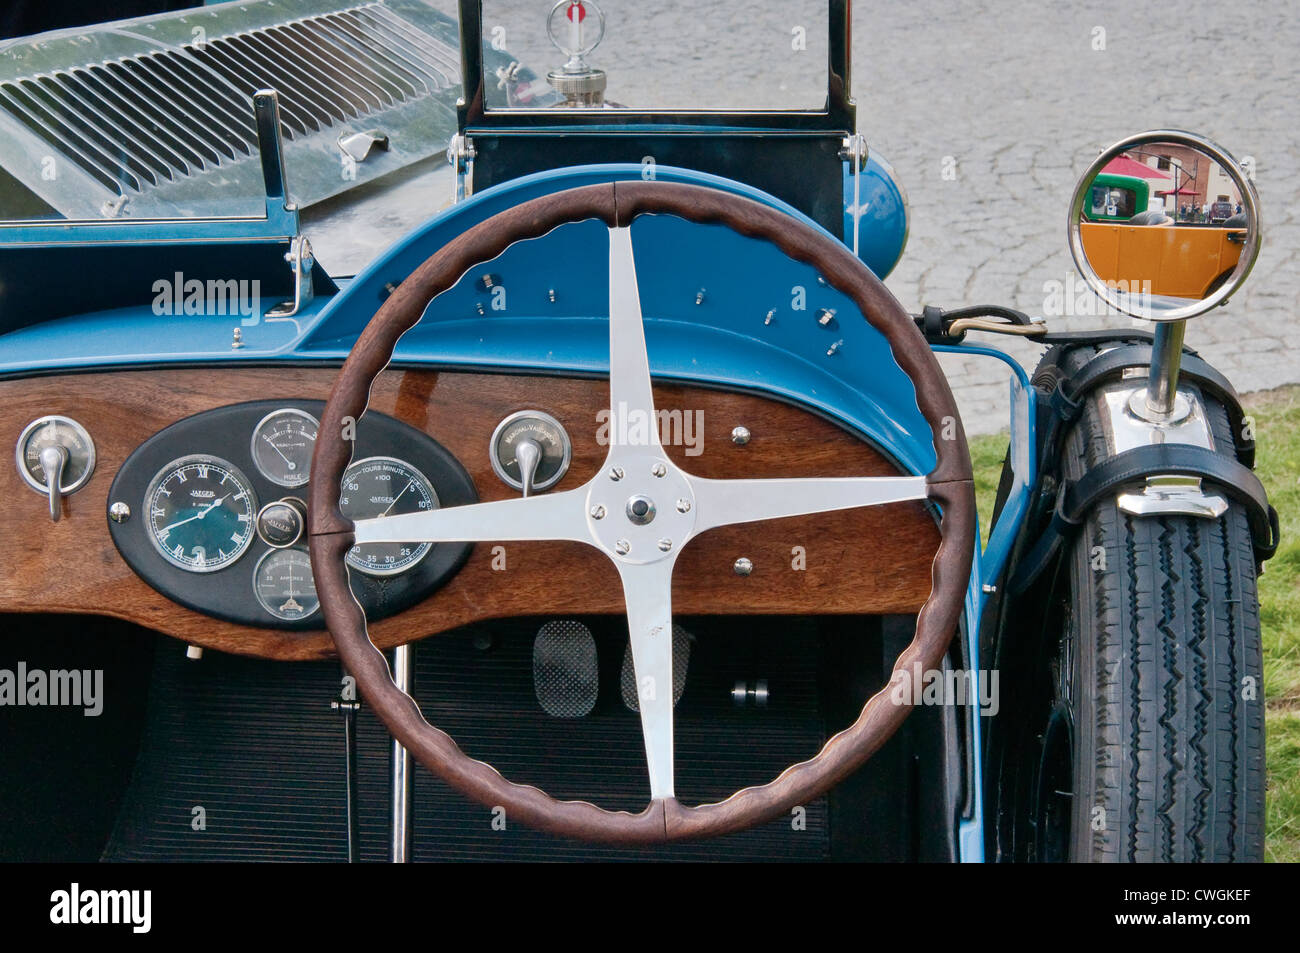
(1018, 97)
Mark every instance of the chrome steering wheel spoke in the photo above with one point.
(647, 591)
(631, 400)
(551, 516)
(727, 502)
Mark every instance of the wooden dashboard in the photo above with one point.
(871, 560)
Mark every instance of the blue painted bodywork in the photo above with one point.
(719, 309)
(877, 206)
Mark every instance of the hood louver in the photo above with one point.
(168, 130)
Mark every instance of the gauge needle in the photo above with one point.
(396, 498)
(292, 465)
(197, 516)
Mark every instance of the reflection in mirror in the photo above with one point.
(1163, 224)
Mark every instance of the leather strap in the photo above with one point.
(1077, 497)
(1067, 400)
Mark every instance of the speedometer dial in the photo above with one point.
(282, 446)
(385, 486)
(200, 513)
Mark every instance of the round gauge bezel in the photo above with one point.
(565, 460)
(20, 455)
(221, 463)
(257, 594)
(425, 547)
(252, 446)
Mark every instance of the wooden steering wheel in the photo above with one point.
(602, 512)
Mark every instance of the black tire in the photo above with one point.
(1152, 748)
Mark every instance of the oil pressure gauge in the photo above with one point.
(55, 456)
(282, 446)
(530, 451)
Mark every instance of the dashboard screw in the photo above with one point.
(119, 512)
(743, 566)
(598, 512)
(740, 436)
(616, 473)
(658, 469)
(622, 547)
(665, 544)
(683, 505)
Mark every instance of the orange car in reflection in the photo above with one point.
(1183, 261)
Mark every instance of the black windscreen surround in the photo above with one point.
(762, 161)
(263, 752)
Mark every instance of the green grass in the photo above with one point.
(1277, 436)
(1276, 417)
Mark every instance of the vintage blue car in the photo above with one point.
(593, 470)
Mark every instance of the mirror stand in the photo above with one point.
(1158, 402)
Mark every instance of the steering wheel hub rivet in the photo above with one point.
(598, 512)
(622, 547)
(743, 566)
(616, 473)
(641, 510)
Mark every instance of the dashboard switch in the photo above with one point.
(281, 523)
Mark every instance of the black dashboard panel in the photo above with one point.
(228, 592)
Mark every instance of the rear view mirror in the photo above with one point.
(1164, 225)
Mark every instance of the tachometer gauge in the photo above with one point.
(283, 584)
(200, 513)
(385, 486)
(282, 446)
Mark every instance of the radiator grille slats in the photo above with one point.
(137, 122)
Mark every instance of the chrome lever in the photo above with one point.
(54, 459)
(529, 455)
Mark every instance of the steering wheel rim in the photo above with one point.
(617, 204)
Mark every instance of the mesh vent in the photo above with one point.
(565, 675)
(681, 662)
(137, 122)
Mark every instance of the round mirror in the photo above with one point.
(1164, 225)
